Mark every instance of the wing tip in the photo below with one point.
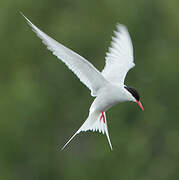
(24, 16)
(34, 28)
(120, 26)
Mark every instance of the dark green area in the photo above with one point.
(42, 103)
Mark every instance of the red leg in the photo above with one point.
(102, 117)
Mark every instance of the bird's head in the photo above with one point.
(134, 96)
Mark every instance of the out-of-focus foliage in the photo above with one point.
(42, 103)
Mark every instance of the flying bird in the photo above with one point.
(107, 86)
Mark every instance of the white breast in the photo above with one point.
(108, 97)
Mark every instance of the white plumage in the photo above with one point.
(84, 70)
(119, 59)
(108, 87)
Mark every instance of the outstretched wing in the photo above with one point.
(119, 59)
(84, 70)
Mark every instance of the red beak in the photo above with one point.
(140, 105)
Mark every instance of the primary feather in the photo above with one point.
(84, 70)
(119, 59)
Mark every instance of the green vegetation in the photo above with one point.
(42, 103)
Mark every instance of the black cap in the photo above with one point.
(134, 92)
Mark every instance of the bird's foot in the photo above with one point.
(102, 117)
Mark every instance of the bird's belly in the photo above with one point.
(103, 103)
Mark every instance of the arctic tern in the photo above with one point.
(107, 86)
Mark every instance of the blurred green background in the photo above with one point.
(42, 103)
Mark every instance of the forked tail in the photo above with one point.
(96, 121)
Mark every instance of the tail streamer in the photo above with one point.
(96, 121)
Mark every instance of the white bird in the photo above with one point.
(107, 86)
